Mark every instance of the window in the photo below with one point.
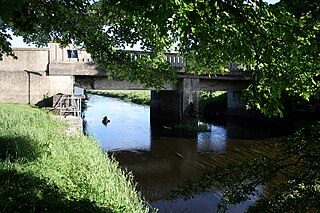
(72, 53)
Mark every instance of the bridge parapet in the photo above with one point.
(68, 54)
(61, 58)
(173, 58)
(76, 61)
(71, 54)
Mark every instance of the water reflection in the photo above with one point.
(161, 159)
(215, 140)
(205, 203)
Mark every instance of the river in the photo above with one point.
(161, 159)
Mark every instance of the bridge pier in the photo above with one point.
(172, 107)
(236, 107)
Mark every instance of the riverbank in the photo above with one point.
(207, 100)
(142, 97)
(44, 169)
(212, 105)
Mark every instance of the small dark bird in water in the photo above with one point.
(105, 120)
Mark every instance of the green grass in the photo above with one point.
(44, 170)
(135, 96)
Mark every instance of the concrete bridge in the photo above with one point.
(42, 73)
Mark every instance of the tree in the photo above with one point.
(102, 27)
(280, 43)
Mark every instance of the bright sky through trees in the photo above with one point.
(18, 41)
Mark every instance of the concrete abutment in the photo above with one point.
(172, 107)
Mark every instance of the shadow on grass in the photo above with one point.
(24, 192)
(27, 193)
(18, 147)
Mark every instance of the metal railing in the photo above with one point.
(70, 105)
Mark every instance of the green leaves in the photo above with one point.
(285, 180)
(280, 42)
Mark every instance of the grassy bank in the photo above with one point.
(135, 96)
(44, 170)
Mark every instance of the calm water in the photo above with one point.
(161, 159)
(129, 127)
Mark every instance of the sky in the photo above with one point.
(272, 1)
(18, 41)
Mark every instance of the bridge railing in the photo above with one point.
(174, 59)
(78, 55)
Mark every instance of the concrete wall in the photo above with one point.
(79, 69)
(21, 87)
(234, 100)
(223, 84)
(189, 89)
(104, 83)
(25, 80)
(32, 59)
(181, 105)
(59, 54)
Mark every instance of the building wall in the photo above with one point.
(24, 88)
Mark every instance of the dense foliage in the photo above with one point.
(279, 43)
(44, 170)
(102, 27)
